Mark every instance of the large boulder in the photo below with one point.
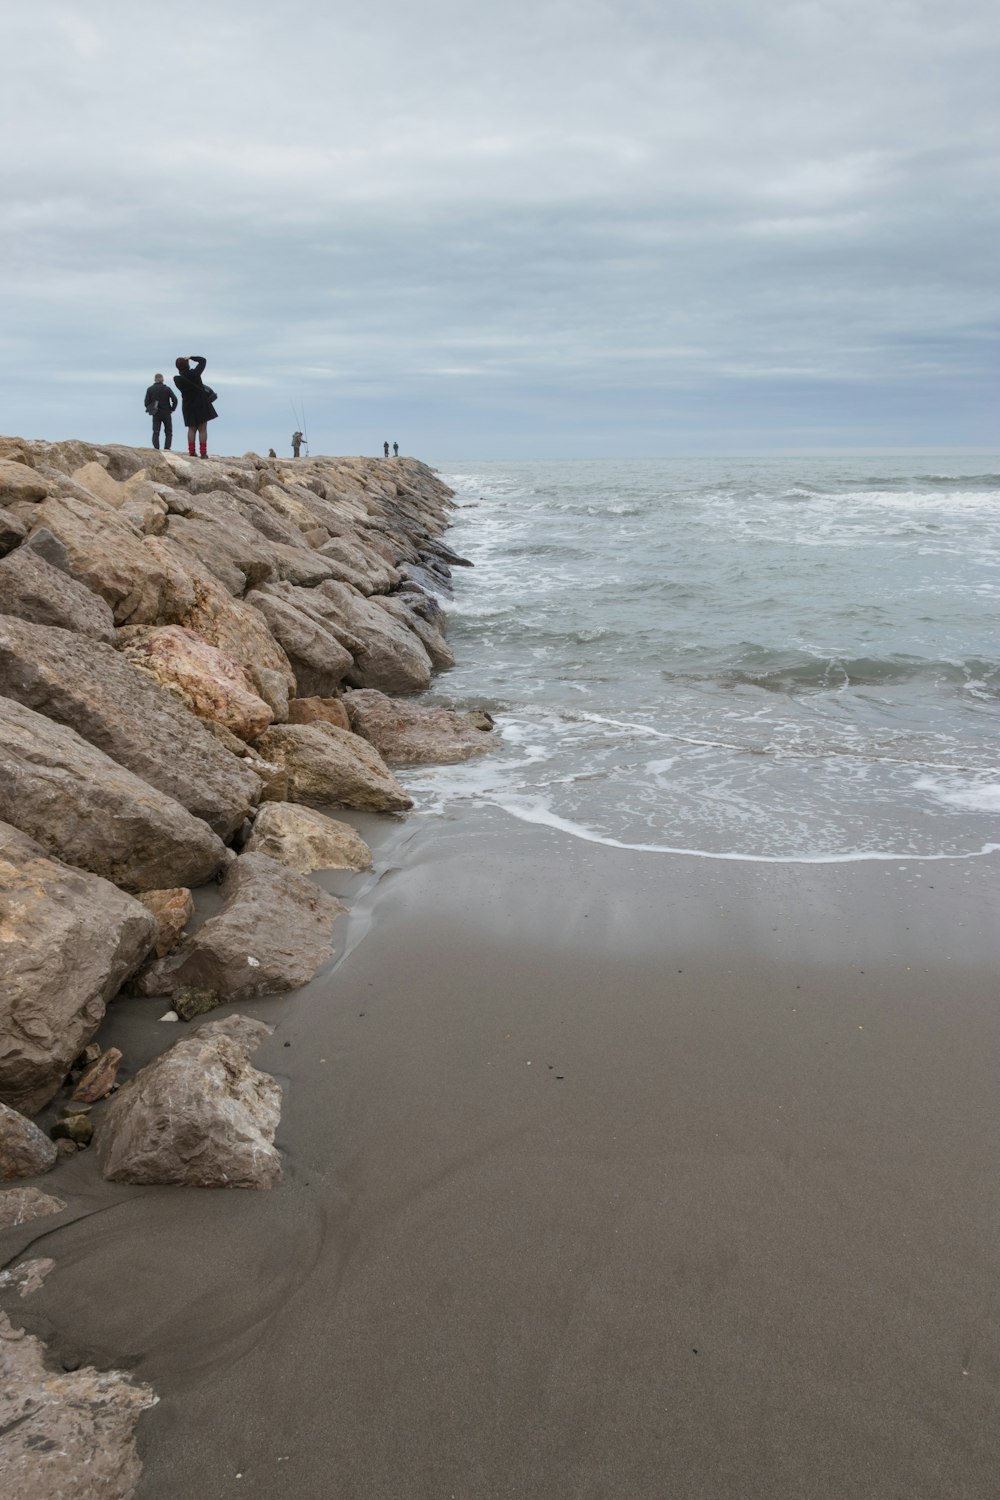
(406, 733)
(319, 660)
(91, 688)
(319, 711)
(274, 931)
(24, 1150)
(19, 482)
(305, 840)
(359, 565)
(86, 809)
(32, 589)
(389, 655)
(416, 611)
(68, 941)
(200, 1116)
(333, 767)
(65, 1432)
(210, 683)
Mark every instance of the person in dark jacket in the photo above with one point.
(161, 403)
(196, 401)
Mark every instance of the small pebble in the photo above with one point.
(171, 1015)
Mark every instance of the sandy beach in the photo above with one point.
(606, 1175)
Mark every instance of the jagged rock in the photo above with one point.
(33, 589)
(359, 565)
(201, 1115)
(76, 1128)
(411, 733)
(91, 688)
(21, 1205)
(318, 659)
(89, 811)
(24, 1150)
(479, 719)
(305, 840)
(65, 1433)
(98, 1080)
(389, 655)
(330, 766)
(172, 910)
(190, 1001)
(211, 684)
(318, 711)
(12, 531)
(245, 1031)
(68, 941)
(272, 934)
(18, 482)
(412, 611)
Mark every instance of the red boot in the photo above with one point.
(204, 450)
(191, 447)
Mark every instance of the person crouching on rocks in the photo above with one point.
(196, 401)
(161, 403)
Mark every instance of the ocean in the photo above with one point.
(791, 659)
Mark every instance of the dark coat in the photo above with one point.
(195, 405)
(160, 399)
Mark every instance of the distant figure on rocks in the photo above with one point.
(196, 400)
(161, 403)
(271, 453)
(386, 446)
(296, 443)
(395, 450)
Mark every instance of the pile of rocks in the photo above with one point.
(195, 658)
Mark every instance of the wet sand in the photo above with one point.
(608, 1175)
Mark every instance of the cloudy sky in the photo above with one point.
(506, 228)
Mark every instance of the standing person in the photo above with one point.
(386, 447)
(296, 443)
(161, 403)
(196, 400)
(395, 450)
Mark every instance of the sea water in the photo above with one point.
(789, 659)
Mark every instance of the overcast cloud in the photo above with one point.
(506, 229)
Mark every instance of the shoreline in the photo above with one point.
(494, 1276)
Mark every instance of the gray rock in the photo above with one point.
(201, 1115)
(70, 940)
(273, 933)
(12, 531)
(89, 811)
(33, 589)
(89, 687)
(76, 1128)
(390, 656)
(65, 1433)
(243, 1030)
(332, 767)
(406, 733)
(24, 1150)
(318, 658)
(411, 611)
(21, 1205)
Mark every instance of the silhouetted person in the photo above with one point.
(395, 450)
(161, 403)
(196, 400)
(271, 453)
(386, 446)
(296, 443)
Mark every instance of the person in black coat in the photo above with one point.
(196, 401)
(161, 403)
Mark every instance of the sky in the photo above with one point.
(506, 229)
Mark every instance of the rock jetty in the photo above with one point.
(199, 661)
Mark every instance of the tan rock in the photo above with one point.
(98, 1079)
(172, 910)
(65, 1433)
(319, 711)
(406, 733)
(68, 941)
(318, 658)
(18, 482)
(92, 689)
(21, 1205)
(211, 684)
(390, 656)
(24, 1150)
(32, 589)
(274, 932)
(305, 840)
(89, 811)
(201, 1115)
(329, 766)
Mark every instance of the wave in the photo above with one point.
(800, 672)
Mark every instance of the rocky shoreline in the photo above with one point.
(199, 661)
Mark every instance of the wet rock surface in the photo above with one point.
(273, 933)
(21, 1205)
(413, 733)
